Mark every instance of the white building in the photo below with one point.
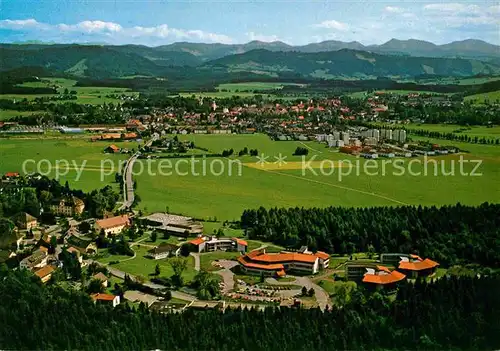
(386, 134)
(345, 138)
(399, 135)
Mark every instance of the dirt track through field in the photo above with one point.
(337, 186)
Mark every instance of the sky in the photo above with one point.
(298, 22)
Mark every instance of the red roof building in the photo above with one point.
(414, 266)
(381, 276)
(258, 261)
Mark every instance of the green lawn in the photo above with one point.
(209, 228)
(87, 156)
(206, 259)
(144, 267)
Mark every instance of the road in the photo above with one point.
(196, 260)
(321, 296)
(128, 182)
(228, 278)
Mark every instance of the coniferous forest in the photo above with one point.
(451, 313)
(449, 234)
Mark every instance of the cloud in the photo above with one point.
(394, 9)
(91, 27)
(333, 24)
(27, 24)
(262, 37)
(114, 31)
(452, 7)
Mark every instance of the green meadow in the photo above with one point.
(364, 183)
(85, 95)
(8, 114)
(473, 131)
(491, 97)
(84, 158)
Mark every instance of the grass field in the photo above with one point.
(226, 196)
(491, 97)
(473, 131)
(85, 95)
(206, 259)
(87, 157)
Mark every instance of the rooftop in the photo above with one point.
(102, 297)
(113, 222)
(45, 271)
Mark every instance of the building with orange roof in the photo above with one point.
(113, 225)
(112, 149)
(45, 273)
(258, 261)
(414, 266)
(114, 300)
(410, 264)
(211, 244)
(382, 277)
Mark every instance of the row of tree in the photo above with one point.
(448, 234)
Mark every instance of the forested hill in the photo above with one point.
(450, 314)
(97, 61)
(351, 63)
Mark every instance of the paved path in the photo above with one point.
(196, 260)
(321, 296)
(228, 278)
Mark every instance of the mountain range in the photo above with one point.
(325, 60)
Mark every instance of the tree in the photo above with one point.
(95, 286)
(179, 265)
(311, 292)
(157, 270)
(185, 250)
(304, 291)
(154, 236)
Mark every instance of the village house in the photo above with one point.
(69, 206)
(38, 259)
(414, 266)
(45, 273)
(113, 225)
(112, 149)
(81, 243)
(24, 220)
(163, 251)
(114, 300)
(102, 278)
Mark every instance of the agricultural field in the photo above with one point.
(8, 114)
(85, 95)
(252, 86)
(248, 185)
(491, 97)
(81, 154)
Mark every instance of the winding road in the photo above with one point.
(128, 182)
